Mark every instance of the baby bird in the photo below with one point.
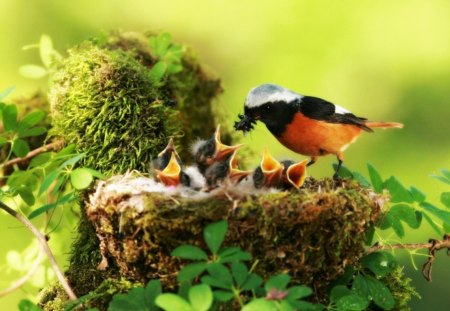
(168, 167)
(212, 150)
(282, 175)
(224, 172)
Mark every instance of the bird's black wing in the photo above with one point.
(320, 109)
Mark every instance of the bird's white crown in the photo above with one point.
(269, 93)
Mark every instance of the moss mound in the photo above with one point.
(104, 101)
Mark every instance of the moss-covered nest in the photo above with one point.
(312, 234)
(104, 101)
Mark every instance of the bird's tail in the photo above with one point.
(383, 125)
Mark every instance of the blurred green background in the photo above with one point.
(385, 60)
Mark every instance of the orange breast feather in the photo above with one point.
(314, 138)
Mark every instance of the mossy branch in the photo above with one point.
(43, 242)
(49, 147)
(432, 246)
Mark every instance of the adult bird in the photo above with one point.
(307, 125)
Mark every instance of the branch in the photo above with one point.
(43, 241)
(20, 282)
(432, 246)
(49, 147)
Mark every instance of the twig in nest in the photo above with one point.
(43, 242)
(432, 245)
(49, 147)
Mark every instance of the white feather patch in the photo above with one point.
(269, 93)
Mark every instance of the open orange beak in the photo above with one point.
(222, 150)
(296, 174)
(170, 175)
(236, 175)
(271, 168)
(169, 148)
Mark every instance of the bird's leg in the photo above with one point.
(312, 161)
(340, 158)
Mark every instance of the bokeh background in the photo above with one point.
(386, 60)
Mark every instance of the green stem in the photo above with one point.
(237, 294)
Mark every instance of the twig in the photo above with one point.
(49, 147)
(43, 242)
(20, 282)
(432, 246)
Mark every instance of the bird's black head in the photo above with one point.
(271, 104)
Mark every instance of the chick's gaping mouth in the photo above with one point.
(245, 123)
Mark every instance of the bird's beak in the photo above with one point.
(236, 175)
(271, 168)
(170, 175)
(222, 150)
(296, 174)
(169, 148)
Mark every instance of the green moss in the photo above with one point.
(104, 101)
(53, 298)
(401, 289)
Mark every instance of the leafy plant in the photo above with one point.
(168, 55)
(47, 54)
(214, 234)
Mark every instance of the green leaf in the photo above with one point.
(279, 281)
(191, 271)
(72, 160)
(445, 199)
(27, 195)
(214, 282)
(344, 172)
(30, 132)
(239, 256)
(390, 221)
(368, 237)
(3, 141)
(352, 302)
(361, 179)
(442, 178)
(397, 191)
(441, 214)
(46, 50)
(299, 292)
(405, 213)
(252, 282)
(214, 234)
(446, 173)
(189, 252)
(10, 118)
(380, 293)
(339, 291)
(32, 119)
(40, 159)
(432, 224)
(375, 178)
(95, 173)
(260, 304)
(380, 263)
(240, 273)
(201, 297)
(172, 302)
(158, 71)
(160, 44)
(360, 286)
(81, 178)
(27, 305)
(418, 195)
(220, 272)
(6, 92)
(223, 296)
(20, 147)
(152, 290)
(33, 71)
(48, 181)
(44, 208)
